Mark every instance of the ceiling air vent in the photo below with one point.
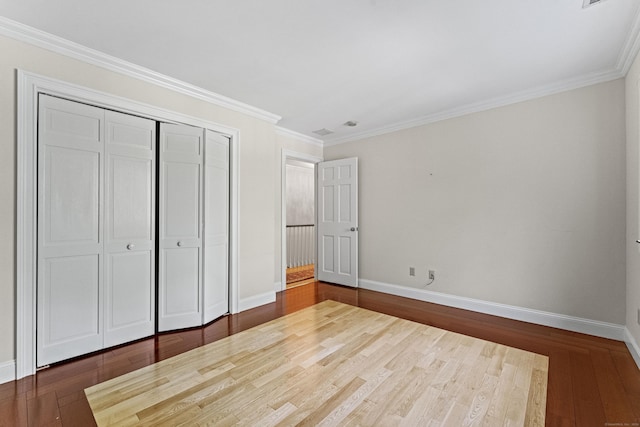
(323, 132)
(588, 3)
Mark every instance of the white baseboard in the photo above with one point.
(633, 346)
(256, 301)
(561, 321)
(278, 286)
(7, 371)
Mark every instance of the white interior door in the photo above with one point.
(70, 231)
(129, 228)
(180, 240)
(216, 226)
(337, 214)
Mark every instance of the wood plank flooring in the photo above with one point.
(333, 364)
(591, 381)
(298, 276)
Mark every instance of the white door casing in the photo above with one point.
(216, 226)
(70, 229)
(337, 221)
(180, 240)
(29, 87)
(288, 154)
(129, 228)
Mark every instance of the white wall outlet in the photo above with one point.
(412, 271)
(432, 275)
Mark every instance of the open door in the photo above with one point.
(216, 226)
(337, 213)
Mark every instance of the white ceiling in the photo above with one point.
(386, 64)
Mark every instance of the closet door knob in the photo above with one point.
(131, 246)
(179, 243)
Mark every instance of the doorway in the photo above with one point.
(300, 227)
(298, 219)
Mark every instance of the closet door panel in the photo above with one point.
(70, 246)
(216, 248)
(181, 282)
(181, 182)
(129, 229)
(181, 209)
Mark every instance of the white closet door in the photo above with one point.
(129, 228)
(180, 281)
(70, 247)
(216, 226)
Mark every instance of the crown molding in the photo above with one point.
(526, 95)
(627, 55)
(631, 47)
(33, 36)
(299, 136)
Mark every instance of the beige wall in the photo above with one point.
(521, 205)
(286, 142)
(257, 167)
(633, 201)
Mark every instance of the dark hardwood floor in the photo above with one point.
(592, 381)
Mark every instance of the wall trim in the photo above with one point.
(526, 95)
(33, 36)
(7, 371)
(633, 346)
(278, 286)
(299, 136)
(631, 47)
(29, 85)
(256, 300)
(561, 321)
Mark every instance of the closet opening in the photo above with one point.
(98, 228)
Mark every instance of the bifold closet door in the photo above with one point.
(129, 228)
(216, 226)
(180, 218)
(96, 236)
(70, 229)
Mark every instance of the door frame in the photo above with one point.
(28, 87)
(292, 155)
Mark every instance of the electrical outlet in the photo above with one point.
(412, 271)
(432, 275)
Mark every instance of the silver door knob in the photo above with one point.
(179, 243)
(131, 246)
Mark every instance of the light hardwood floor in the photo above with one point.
(333, 364)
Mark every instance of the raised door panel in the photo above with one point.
(70, 324)
(180, 209)
(181, 191)
(71, 196)
(70, 243)
(129, 229)
(180, 286)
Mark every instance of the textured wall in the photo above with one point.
(300, 194)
